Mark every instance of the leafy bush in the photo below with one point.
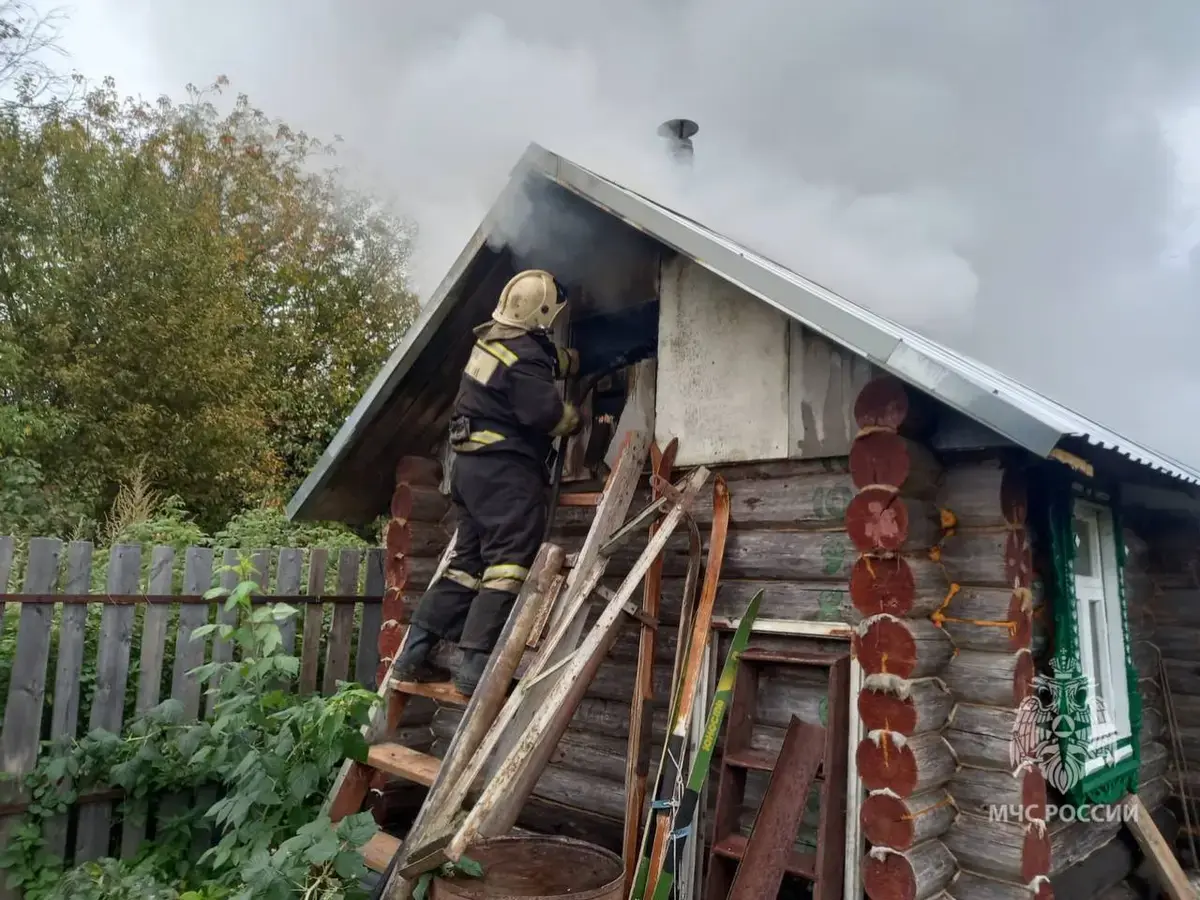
(270, 755)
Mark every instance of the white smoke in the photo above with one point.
(994, 174)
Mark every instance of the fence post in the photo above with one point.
(64, 721)
(314, 621)
(108, 704)
(27, 688)
(366, 664)
(337, 659)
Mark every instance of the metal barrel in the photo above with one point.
(537, 867)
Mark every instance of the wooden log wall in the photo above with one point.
(896, 589)
(1163, 596)
(416, 531)
(989, 614)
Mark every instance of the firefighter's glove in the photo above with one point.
(568, 362)
(570, 423)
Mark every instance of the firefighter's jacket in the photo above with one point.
(508, 400)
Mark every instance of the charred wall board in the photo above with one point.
(823, 382)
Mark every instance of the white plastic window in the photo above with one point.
(1101, 631)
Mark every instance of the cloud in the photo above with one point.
(994, 174)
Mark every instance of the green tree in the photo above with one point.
(185, 287)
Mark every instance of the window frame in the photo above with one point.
(1100, 591)
(1108, 761)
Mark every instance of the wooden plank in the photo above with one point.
(314, 621)
(222, 650)
(154, 642)
(366, 663)
(852, 888)
(27, 688)
(260, 562)
(258, 599)
(64, 718)
(831, 827)
(189, 654)
(337, 657)
(108, 704)
(154, 630)
(289, 572)
(823, 382)
(1170, 874)
(764, 862)
(8, 548)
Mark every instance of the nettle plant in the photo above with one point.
(260, 767)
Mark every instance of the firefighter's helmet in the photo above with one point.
(530, 301)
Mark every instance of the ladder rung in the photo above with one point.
(442, 692)
(791, 657)
(734, 847)
(404, 762)
(379, 850)
(759, 760)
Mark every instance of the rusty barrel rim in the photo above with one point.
(462, 890)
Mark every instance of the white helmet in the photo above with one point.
(530, 301)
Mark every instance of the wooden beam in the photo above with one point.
(185, 599)
(1170, 874)
(789, 627)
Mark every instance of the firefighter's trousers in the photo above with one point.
(500, 509)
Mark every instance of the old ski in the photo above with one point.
(654, 843)
(685, 815)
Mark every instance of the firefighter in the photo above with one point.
(506, 416)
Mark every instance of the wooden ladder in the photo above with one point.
(793, 770)
(554, 600)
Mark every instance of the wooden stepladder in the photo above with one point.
(741, 868)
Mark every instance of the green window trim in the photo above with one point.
(1056, 495)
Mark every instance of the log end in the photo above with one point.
(886, 822)
(396, 569)
(882, 585)
(1035, 853)
(885, 765)
(884, 711)
(877, 519)
(1023, 675)
(880, 457)
(882, 403)
(890, 878)
(1014, 495)
(397, 538)
(886, 647)
(419, 470)
(1018, 559)
(1033, 794)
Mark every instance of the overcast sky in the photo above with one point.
(1015, 177)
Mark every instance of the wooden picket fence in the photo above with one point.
(85, 660)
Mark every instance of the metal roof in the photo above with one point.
(987, 396)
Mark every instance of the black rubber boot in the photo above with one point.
(412, 664)
(471, 670)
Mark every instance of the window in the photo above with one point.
(1093, 687)
(1101, 628)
